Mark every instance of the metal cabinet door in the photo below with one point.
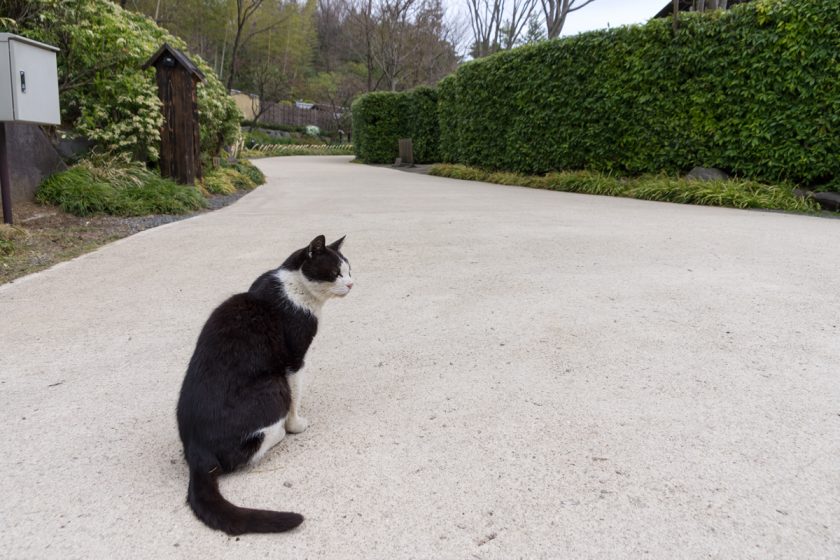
(34, 84)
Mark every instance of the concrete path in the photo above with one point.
(518, 374)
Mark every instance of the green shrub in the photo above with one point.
(300, 150)
(158, 196)
(423, 124)
(120, 188)
(250, 170)
(105, 94)
(752, 90)
(272, 126)
(449, 125)
(240, 181)
(258, 137)
(734, 193)
(9, 236)
(77, 192)
(380, 119)
(218, 182)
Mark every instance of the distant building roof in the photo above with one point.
(686, 5)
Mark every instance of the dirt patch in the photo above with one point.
(45, 235)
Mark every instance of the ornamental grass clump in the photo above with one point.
(734, 193)
(250, 170)
(118, 187)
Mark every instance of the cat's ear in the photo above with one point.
(336, 245)
(316, 246)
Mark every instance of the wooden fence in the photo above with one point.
(295, 116)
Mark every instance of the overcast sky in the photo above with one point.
(613, 13)
(600, 14)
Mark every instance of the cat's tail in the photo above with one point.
(217, 513)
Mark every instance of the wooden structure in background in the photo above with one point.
(406, 147)
(180, 143)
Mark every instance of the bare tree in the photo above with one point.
(363, 21)
(330, 19)
(497, 24)
(486, 23)
(268, 84)
(555, 12)
(516, 24)
(402, 43)
(245, 11)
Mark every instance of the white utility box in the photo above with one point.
(28, 81)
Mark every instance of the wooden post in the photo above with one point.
(406, 152)
(5, 176)
(180, 142)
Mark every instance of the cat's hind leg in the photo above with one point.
(271, 436)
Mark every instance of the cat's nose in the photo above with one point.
(349, 284)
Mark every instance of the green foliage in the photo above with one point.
(8, 235)
(230, 178)
(7, 247)
(105, 95)
(255, 138)
(272, 126)
(240, 181)
(218, 181)
(733, 193)
(753, 90)
(120, 188)
(250, 170)
(380, 119)
(258, 137)
(299, 150)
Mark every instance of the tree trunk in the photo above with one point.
(675, 14)
(234, 51)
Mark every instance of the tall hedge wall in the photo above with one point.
(754, 90)
(380, 119)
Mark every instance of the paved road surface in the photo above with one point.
(517, 374)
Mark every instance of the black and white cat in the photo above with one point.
(243, 386)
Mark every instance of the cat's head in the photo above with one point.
(325, 270)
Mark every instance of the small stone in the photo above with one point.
(707, 174)
(827, 200)
(287, 484)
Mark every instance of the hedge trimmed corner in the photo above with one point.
(753, 90)
(380, 119)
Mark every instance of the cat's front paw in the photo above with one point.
(296, 424)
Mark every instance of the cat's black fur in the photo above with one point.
(236, 385)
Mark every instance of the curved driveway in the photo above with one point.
(518, 374)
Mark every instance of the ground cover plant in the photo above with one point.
(273, 150)
(122, 187)
(733, 193)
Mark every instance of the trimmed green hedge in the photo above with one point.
(380, 119)
(754, 90)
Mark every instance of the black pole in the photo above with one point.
(5, 177)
